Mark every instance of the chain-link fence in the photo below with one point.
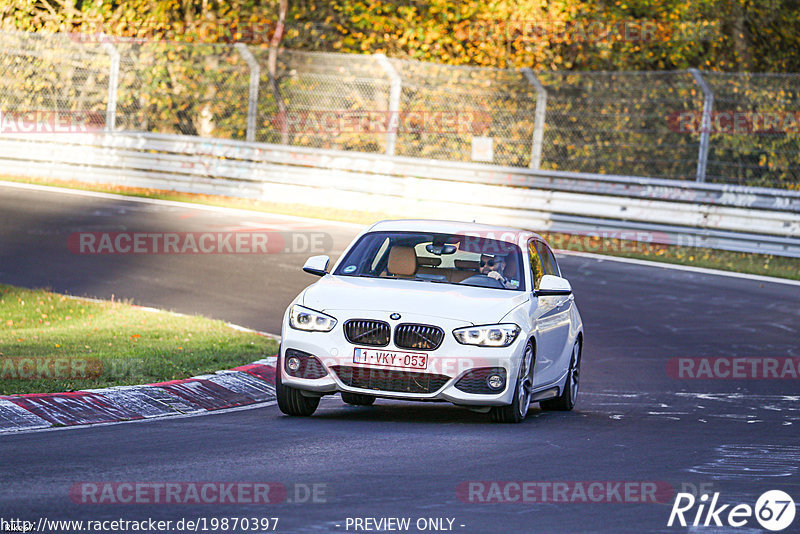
(52, 72)
(191, 89)
(317, 98)
(621, 123)
(683, 125)
(755, 134)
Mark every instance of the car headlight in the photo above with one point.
(302, 318)
(492, 335)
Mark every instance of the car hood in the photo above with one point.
(475, 305)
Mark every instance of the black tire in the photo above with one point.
(518, 409)
(566, 401)
(357, 399)
(291, 401)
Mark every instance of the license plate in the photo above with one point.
(391, 358)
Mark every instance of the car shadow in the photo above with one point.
(395, 411)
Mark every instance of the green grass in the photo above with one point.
(71, 344)
(761, 264)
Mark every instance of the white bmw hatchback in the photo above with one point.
(434, 311)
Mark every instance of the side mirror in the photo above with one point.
(317, 265)
(551, 285)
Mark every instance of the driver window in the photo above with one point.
(536, 265)
(548, 260)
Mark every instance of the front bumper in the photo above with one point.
(446, 365)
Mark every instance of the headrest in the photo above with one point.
(429, 262)
(511, 268)
(402, 261)
(473, 265)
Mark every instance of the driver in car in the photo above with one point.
(494, 267)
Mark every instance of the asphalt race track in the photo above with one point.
(635, 422)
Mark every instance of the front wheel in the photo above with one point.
(291, 401)
(518, 409)
(566, 401)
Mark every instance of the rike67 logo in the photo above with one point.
(774, 510)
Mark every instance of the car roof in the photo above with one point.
(500, 233)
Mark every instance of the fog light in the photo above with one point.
(495, 382)
(293, 364)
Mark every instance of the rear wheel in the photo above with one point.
(357, 399)
(291, 401)
(518, 409)
(566, 401)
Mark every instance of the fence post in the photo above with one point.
(113, 84)
(394, 102)
(539, 116)
(705, 128)
(252, 101)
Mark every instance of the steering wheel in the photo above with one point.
(482, 280)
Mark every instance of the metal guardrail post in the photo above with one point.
(113, 84)
(539, 116)
(394, 102)
(255, 77)
(705, 127)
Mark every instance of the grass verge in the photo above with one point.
(51, 343)
(761, 264)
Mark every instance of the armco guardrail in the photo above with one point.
(663, 211)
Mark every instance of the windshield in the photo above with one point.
(437, 258)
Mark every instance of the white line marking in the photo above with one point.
(700, 270)
(178, 314)
(250, 330)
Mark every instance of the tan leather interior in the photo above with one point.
(465, 269)
(428, 266)
(402, 262)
